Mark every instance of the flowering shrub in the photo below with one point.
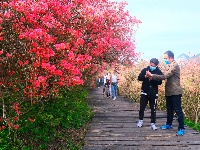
(190, 82)
(47, 45)
(190, 77)
(130, 86)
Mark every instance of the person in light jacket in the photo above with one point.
(113, 82)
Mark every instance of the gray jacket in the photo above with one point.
(172, 74)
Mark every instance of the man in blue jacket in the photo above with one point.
(149, 92)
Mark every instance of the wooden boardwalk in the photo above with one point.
(114, 127)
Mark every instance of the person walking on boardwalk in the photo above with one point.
(149, 92)
(106, 76)
(173, 92)
(104, 81)
(113, 82)
(107, 86)
(98, 82)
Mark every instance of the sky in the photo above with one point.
(166, 25)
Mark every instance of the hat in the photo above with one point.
(155, 61)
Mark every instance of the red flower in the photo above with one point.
(31, 120)
(1, 52)
(2, 127)
(60, 46)
(16, 106)
(16, 118)
(15, 127)
(18, 112)
(58, 72)
(8, 55)
(80, 41)
(36, 83)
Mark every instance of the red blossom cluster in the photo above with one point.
(2, 126)
(46, 44)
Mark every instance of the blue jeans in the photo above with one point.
(173, 103)
(98, 84)
(114, 89)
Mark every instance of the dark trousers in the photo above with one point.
(98, 84)
(143, 103)
(104, 88)
(173, 103)
(107, 91)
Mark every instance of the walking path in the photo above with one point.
(114, 127)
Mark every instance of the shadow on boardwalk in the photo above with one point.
(114, 128)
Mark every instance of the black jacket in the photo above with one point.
(147, 83)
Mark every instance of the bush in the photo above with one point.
(61, 123)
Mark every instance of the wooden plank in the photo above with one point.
(143, 142)
(114, 126)
(141, 147)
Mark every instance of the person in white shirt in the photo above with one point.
(113, 81)
(104, 81)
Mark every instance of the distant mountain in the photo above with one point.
(184, 57)
(195, 56)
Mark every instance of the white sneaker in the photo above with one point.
(153, 126)
(114, 98)
(140, 123)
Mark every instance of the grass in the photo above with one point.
(191, 124)
(61, 124)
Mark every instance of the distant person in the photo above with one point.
(98, 82)
(149, 92)
(105, 78)
(108, 77)
(107, 86)
(102, 81)
(173, 92)
(113, 82)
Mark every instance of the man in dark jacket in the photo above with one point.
(149, 92)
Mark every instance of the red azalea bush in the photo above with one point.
(46, 45)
